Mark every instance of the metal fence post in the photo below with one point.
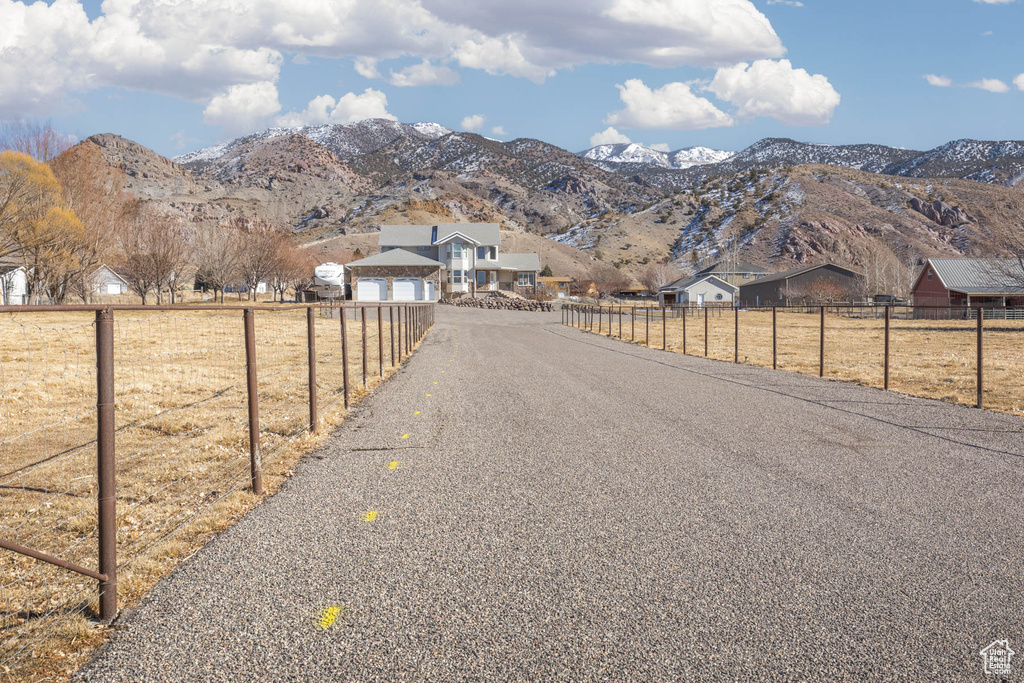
(311, 359)
(705, 331)
(736, 332)
(664, 330)
(647, 326)
(391, 329)
(344, 354)
(400, 347)
(685, 311)
(632, 324)
(362, 317)
(380, 340)
(106, 496)
(821, 345)
(620, 322)
(252, 388)
(775, 340)
(888, 320)
(981, 358)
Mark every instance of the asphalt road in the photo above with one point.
(567, 507)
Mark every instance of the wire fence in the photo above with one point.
(968, 356)
(206, 399)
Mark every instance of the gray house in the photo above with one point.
(469, 253)
(823, 282)
(735, 272)
(104, 281)
(700, 290)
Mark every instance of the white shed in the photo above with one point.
(13, 285)
(105, 281)
(698, 291)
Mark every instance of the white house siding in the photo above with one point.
(710, 289)
(14, 287)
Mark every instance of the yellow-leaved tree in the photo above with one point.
(28, 190)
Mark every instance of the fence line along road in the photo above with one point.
(968, 355)
(160, 396)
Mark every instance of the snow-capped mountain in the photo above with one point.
(346, 141)
(783, 151)
(980, 160)
(632, 153)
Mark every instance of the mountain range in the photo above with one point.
(777, 203)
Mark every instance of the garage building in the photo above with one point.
(395, 275)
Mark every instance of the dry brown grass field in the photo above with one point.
(182, 458)
(928, 358)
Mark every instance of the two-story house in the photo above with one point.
(462, 258)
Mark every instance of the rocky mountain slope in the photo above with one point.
(777, 203)
(607, 156)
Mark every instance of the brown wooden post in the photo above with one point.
(736, 333)
(252, 388)
(600, 310)
(888, 320)
(647, 326)
(399, 334)
(344, 354)
(620, 322)
(311, 361)
(380, 340)
(981, 358)
(821, 345)
(362, 314)
(391, 329)
(106, 496)
(632, 324)
(775, 341)
(705, 331)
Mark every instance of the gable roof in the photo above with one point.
(528, 262)
(735, 267)
(787, 274)
(482, 234)
(405, 235)
(688, 282)
(110, 270)
(395, 257)
(977, 275)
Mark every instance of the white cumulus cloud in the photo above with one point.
(366, 67)
(499, 131)
(473, 123)
(672, 106)
(609, 136)
(242, 108)
(370, 104)
(938, 81)
(776, 89)
(1019, 82)
(424, 73)
(990, 84)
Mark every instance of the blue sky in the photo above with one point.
(675, 73)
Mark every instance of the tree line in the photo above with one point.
(64, 213)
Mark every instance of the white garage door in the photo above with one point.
(408, 289)
(371, 289)
(113, 288)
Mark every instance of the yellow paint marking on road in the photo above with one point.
(328, 616)
(393, 465)
(370, 516)
(435, 382)
(416, 413)
(405, 436)
(442, 372)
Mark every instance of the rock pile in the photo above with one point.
(499, 301)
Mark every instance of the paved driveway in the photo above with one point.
(567, 507)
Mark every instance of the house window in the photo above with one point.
(455, 250)
(422, 248)
(929, 275)
(481, 252)
(525, 279)
(457, 278)
(481, 277)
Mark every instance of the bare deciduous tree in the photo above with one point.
(153, 253)
(262, 245)
(657, 275)
(217, 257)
